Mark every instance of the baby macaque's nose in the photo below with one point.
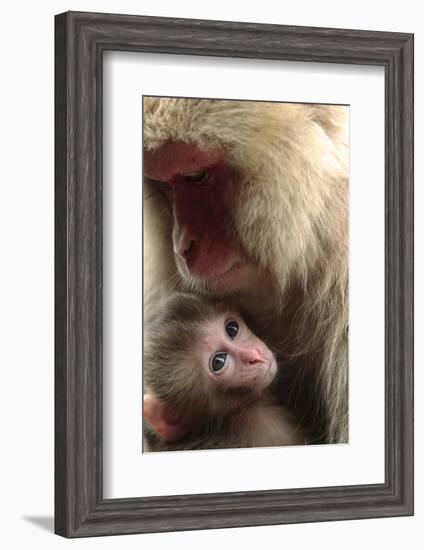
(251, 356)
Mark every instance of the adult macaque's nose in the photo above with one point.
(185, 245)
(189, 250)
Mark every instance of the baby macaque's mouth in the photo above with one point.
(271, 369)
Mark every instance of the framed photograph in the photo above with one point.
(234, 274)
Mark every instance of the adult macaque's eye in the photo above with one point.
(218, 362)
(197, 178)
(231, 328)
(163, 186)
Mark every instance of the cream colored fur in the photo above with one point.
(291, 215)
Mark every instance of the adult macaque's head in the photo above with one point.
(246, 185)
(198, 187)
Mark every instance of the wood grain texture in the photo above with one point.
(81, 39)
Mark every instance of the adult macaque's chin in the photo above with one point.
(228, 278)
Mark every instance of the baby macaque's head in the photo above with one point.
(201, 361)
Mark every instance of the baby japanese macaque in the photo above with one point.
(207, 381)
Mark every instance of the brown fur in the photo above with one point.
(290, 212)
(172, 374)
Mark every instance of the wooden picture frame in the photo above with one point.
(80, 40)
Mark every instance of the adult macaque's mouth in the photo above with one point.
(225, 280)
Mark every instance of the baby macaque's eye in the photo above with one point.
(232, 328)
(218, 361)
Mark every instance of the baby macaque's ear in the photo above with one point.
(163, 419)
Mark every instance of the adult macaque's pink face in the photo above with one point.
(232, 357)
(198, 187)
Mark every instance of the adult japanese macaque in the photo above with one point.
(250, 200)
(207, 380)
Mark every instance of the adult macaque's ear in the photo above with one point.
(163, 419)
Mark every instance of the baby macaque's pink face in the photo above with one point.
(234, 358)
